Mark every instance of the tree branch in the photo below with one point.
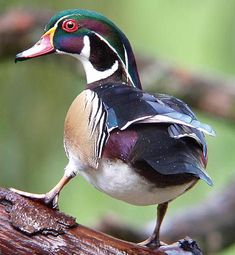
(29, 227)
(211, 223)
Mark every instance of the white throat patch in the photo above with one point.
(92, 74)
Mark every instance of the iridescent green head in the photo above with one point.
(92, 38)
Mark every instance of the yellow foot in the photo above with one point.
(50, 198)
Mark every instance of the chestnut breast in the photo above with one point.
(84, 130)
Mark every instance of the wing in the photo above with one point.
(127, 105)
(175, 146)
(155, 148)
(180, 131)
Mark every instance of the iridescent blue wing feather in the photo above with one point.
(127, 105)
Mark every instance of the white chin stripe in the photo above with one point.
(92, 74)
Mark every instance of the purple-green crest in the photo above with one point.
(66, 31)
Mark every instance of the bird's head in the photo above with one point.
(92, 38)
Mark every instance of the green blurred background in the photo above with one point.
(35, 95)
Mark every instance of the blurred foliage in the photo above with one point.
(36, 94)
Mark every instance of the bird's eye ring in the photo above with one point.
(70, 25)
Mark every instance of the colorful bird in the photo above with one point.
(138, 147)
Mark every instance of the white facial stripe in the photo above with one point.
(126, 59)
(124, 65)
(92, 74)
(58, 21)
(86, 50)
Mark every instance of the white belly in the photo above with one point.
(121, 182)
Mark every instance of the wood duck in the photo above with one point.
(138, 147)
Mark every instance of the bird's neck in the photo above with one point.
(102, 64)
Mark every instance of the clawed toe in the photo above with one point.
(50, 199)
(29, 195)
(151, 243)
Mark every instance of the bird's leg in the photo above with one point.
(51, 197)
(153, 241)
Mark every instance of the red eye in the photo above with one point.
(70, 25)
